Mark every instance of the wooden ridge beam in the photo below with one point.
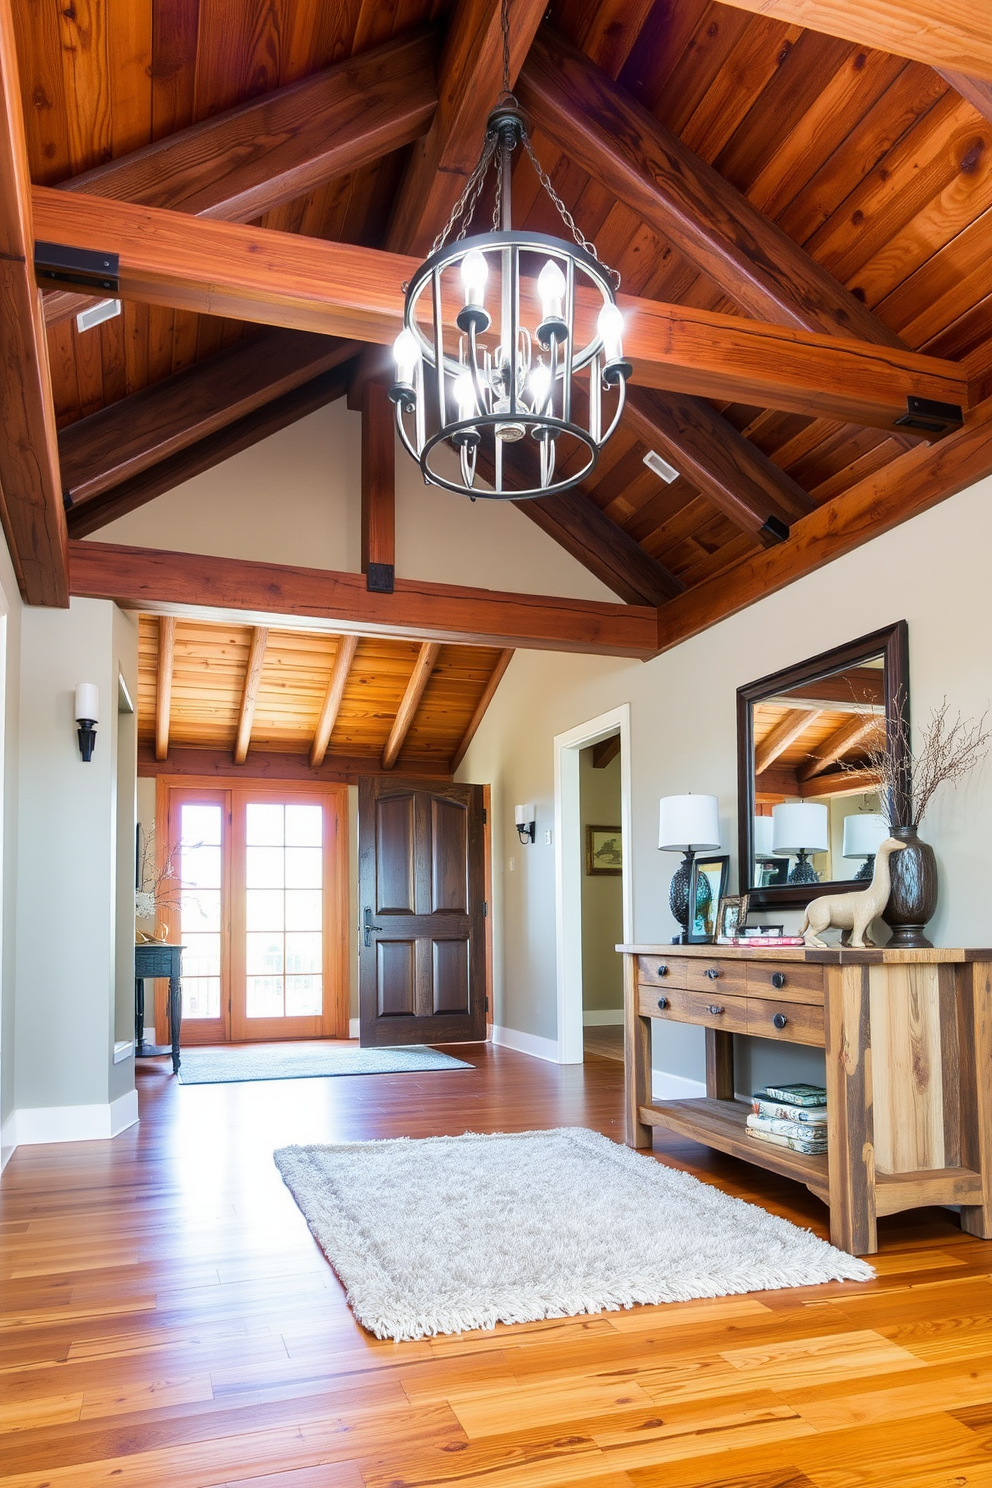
(786, 732)
(30, 492)
(470, 79)
(91, 515)
(481, 707)
(575, 522)
(239, 164)
(249, 693)
(344, 659)
(941, 33)
(614, 139)
(275, 765)
(163, 683)
(199, 584)
(130, 436)
(977, 91)
(908, 485)
(839, 743)
(724, 466)
(344, 290)
(407, 711)
(378, 487)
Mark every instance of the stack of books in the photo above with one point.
(793, 1116)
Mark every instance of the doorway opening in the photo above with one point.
(602, 898)
(582, 982)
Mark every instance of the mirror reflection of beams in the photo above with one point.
(810, 740)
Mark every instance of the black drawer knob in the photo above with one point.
(663, 1003)
(714, 1011)
(712, 972)
(780, 1020)
(662, 970)
(778, 978)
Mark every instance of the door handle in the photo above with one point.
(369, 927)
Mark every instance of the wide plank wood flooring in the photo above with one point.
(166, 1319)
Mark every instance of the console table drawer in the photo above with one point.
(716, 1010)
(795, 1022)
(725, 977)
(660, 1002)
(662, 971)
(785, 981)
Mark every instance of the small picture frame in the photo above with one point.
(707, 886)
(604, 851)
(771, 929)
(732, 916)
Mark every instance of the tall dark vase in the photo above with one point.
(913, 897)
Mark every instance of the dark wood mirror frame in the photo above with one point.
(893, 644)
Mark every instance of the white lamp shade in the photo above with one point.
(87, 701)
(762, 836)
(686, 822)
(524, 815)
(864, 833)
(799, 826)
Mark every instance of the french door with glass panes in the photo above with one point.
(263, 898)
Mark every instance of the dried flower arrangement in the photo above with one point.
(949, 749)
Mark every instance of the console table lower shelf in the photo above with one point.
(907, 1037)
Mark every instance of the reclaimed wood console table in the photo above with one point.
(157, 959)
(908, 1043)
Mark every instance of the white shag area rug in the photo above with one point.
(442, 1234)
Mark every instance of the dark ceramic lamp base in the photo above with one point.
(678, 894)
(803, 872)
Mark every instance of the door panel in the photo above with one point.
(422, 878)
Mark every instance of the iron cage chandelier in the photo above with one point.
(529, 401)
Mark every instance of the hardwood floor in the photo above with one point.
(606, 1041)
(167, 1320)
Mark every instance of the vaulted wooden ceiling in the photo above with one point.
(760, 186)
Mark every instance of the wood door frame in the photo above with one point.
(338, 928)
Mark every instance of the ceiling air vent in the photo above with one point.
(661, 467)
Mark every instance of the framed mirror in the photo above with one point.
(810, 817)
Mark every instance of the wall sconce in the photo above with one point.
(526, 819)
(87, 715)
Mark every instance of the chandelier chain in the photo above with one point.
(465, 205)
(563, 211)
(505, 26)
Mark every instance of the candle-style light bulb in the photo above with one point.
(475, 272)
(610, 328)
(539, 384)
(464, 391)
(406, 350)
(551, 288)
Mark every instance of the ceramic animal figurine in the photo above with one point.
(852, 913)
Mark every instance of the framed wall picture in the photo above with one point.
(604, 850)
(707, 886)
(731, 916)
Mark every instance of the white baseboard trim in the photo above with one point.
(527, 1043)
(123, 1049)
(149, 1035)
(601, 1017)
(8, 1139)
(34, 1125)
(354, 1028)
(665, 1086)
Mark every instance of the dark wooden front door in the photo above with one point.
(422, 883)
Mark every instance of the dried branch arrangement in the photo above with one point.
(158, 886)
(949, 749)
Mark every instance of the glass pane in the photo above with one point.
(264, 825)
(201, 997)
(303, 953)
(303, 866)
(200, 910)
(264, 909)
(200, 824)
(264, 954)
(199, 867)
(304, 826)
(304, 998)
(304, 909)
(264, 997)
(265, 867)
(201, 956)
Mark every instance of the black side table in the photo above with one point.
(152, 960)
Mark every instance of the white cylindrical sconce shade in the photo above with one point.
(800, 826)
(864, 833)
(524, 815)
(689, 823)
(762, 836)
(87, 701)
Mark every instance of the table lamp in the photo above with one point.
(798, 829)
(864, 833)
(687, 824)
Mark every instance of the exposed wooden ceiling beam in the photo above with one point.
(130, 436)
(239, 164)
(330, 708)
(605, 131)
(276, 766)
(378, 486)
(725, 467)
(470, 79)
(908, 485)
(978, 91)
(199, 584)
(841, 742)
(778, 783)
(249, 694)
(163, 687)
(495, 678)
(786, 731)
(941, 33)
(576, 522)
(605, 752)
(406, 713)
(344, 290)
(131, 494)
(30, 492)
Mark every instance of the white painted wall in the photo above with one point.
(10, 671)
(932, 571)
